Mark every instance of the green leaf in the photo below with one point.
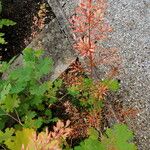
(3, 119)
(5, 92)
(119, 137)
(20, 78)
(36, 100)
(21, 74)
(93, 133)
(2, 123)
(22, 137)
(57, 84)
(91, 143)
(6, 22)
(38, 53)
(28, 55)
(2, 34)
(88, 82)
(48, 113)
(2, 40)
(54, 120)
(31, 122)
(43, 67)
(3, 66)
(5, 136)
(73, 90)
(10, 103)
(18, 87)
(48, 118)
(112, 84)
(51, 93)
(38, 122)
(41, 107)
(30, 115)
(38, 90)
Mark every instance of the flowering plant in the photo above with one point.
(88, 26)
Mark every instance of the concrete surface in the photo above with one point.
(56, 45)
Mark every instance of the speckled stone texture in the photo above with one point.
(130, 20)
(56, 45)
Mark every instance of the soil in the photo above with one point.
(30, 16)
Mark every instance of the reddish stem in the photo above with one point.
(89, 22)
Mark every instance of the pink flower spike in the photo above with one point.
(84, 47)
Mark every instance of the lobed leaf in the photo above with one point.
(5, 136)
(6, 22)
(112, 84)
(10, 103)
(119, 137)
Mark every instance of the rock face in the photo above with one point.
(131, 22)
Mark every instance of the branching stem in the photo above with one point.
(11, 117)
(89, 36)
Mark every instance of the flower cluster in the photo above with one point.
(50, 140)
(89, 26)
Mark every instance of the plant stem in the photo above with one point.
(12, 118)
(89, 36)
(18, 117)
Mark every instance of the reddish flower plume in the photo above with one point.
(88, 26)
(84, 48)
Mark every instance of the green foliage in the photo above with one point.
(92, 143)
(82, 93)
(52, 91)
(4, 66)
(113, 85)
(21, 137)
(4, 22)
(90, 94)
(2, 40)
(10, 102)
(24, 96)
(73, 90)
(29, 139)
(25, 101)
(6, 136)
(117, 138)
